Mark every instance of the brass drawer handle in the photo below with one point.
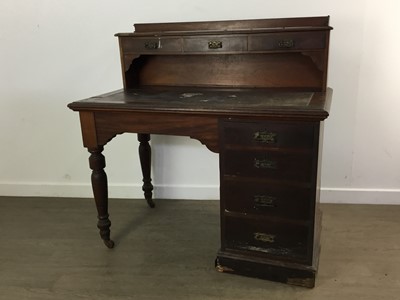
(286, 44)
(265, 164)
(264, 237)
(214, 44)
(262, 201)
(152, 45)
(265, 137)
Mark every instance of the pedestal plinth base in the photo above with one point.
(286, 272)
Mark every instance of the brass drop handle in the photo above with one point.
(214, 44)
(152, 45)
(264, 237)
(264, 201)
(265, 137)
(265, 164)
(286, 44)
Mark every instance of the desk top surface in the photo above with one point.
(221, 101)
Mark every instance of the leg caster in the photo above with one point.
(104, 224)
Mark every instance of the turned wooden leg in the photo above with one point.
(145, 162)
(97, 163)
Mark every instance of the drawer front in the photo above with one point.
(269, 238)
(287, 41)
(144, 45)
(276, 165)
(269, 134)
(267, 199)
(215, 44)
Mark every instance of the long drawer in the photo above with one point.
(267, 198)
(267, 238)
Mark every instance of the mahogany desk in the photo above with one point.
(253, 91)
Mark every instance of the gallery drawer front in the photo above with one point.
(270, 238)
(277, 165)
(151, 45)
(215, 44)
(287, 41)
(270, 134)
(267, 199)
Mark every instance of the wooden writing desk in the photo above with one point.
(253, 91)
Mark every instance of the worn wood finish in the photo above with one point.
(278, 104)
(253, 91)
(268, 212)
(272, 198)
(287, 272)
(270, 238)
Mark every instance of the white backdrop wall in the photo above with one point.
(55, 52)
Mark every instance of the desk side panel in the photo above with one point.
(88, 128)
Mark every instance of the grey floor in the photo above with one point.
(50, 249)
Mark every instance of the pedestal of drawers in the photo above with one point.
(270, 220)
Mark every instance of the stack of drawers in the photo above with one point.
(269, 195)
